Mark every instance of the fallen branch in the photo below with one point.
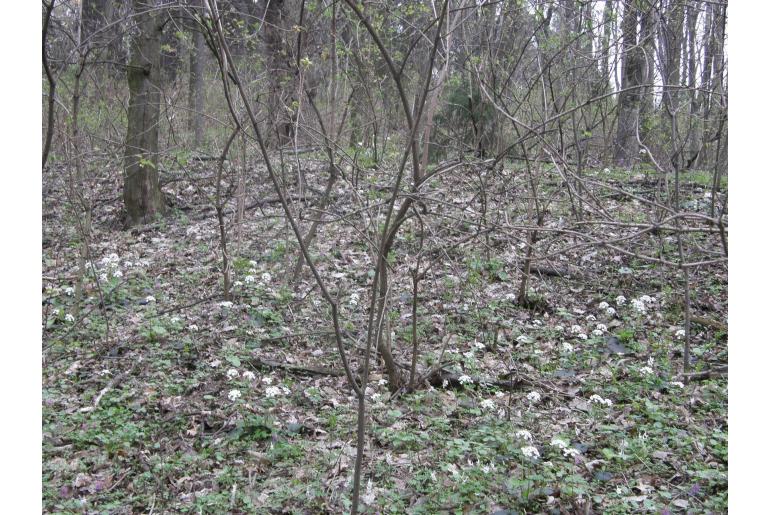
(296, 369)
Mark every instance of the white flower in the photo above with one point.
(69, 291)
(103, 278)
(647, 299)
(645, 371)
(601, 327)
(576, 329)
(149, 299)
(225, 304)
(597, 332)
(606, 170)
(234, 395)
(677, 384)
(174, 320)
(530, 452)
(488, 404)
(354, 298)
(232, 373)
(117, 273)
(266, 277)
(558, 442)
(267, 380)
(215, 363)
(642, 151)
(522, 339)
(651, 361)
(639, 306)
(55, 312)
(486, 469)
(469, 355)
(523, 434)
(571, 452)
(611, 311)
(597, 399)
(253, 263)
(69, 317)
(479, 345)
(603, 305)
(382, 382)
(104, 372)
(249, 279)
(444, 383)
(193, 327)
(533, 397)
(537, 323)
(464, 379)
(128, 264)
(680, 334)
(567, 347)
(272, 391)
(591, 318)
(583, 336)
(376, 396)
(620, 300)
(249, 375)
(559, 328)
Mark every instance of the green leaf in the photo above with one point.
(234, 360)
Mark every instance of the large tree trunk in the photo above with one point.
(281, 87)
(195, 98)
(141, 190)
(626, 142)
(673, 31)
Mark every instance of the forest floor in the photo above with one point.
(141, 414)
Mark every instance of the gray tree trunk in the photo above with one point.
(195, 97)
(633, 65)
(141, 191)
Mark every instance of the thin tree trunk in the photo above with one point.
(51, 83)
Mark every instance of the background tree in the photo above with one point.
(141, 190)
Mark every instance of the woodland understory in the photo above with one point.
(412, 257)
(136, 407)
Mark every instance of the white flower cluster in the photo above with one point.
(558, 442)
(567, 347)
(646, 371)
(465, 379)
(275, 391)
(642, 302)
(234, 395)
(523, 434)
(603, 305)
(232, 374)
(531, 452)
(598, 399)
(488, 404)
(533, 397)
(620, 300)
(249, 279)
(354, 299)
(576, 329)
(680, 333)
(678, 384)
(571, 452)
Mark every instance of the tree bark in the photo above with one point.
(195, 95)
(626, 143)
(142, 196)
